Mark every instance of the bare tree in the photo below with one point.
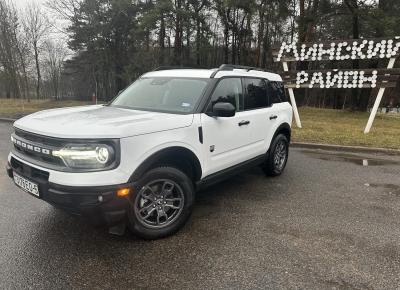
(24, 54)
(36, 26)
(66, 9)
(54, 56)
(9, 62)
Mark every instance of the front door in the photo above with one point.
(227, 140)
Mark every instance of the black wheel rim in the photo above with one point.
(159, 203)
(280, 155)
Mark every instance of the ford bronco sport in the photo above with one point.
(139, 160)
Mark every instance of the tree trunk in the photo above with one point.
(161, 40)
(302, 18)
(311, 22)
(187, 55)
(260, 36)
(352, 5)
(356, 63)
(25, 75)
(39, 77)
(265, 46)
(178, 33)
(233, 55)
(226, 44)
(198, 37)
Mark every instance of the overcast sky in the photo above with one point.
(23, 3)
(58, 24)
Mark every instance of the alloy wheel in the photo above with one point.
(280, 155)
(159, 203)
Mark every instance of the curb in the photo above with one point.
(10, 120)
(356, 149)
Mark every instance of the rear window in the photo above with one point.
(276, 92)
(256, 94)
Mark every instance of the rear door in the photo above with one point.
(280, 110)
(257, 104)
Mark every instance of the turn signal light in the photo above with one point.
(123, 192)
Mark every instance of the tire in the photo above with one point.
(162, 203)
(277, 156)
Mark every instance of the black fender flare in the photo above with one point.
(284, 127)
(153, 159)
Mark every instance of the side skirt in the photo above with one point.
(229, 172)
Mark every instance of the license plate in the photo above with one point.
(26, 185)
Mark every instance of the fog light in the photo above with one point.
(123, 192)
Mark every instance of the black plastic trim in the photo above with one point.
(283, 126)
(155, 158)
(82, 200)
(229, 172)
(90, 189)
(201, 134)
(206, 96)
(9, 170)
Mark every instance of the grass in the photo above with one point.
(15, 108)
(347, 128)
(319, 125)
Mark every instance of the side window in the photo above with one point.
(256, 94)
(228, 90)
(276, 92)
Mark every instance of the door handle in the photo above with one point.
(273, 117)
(242, 123)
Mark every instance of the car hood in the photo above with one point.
(100, 121)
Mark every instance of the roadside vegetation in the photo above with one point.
(324, 126)
(16, 108)
(341, 127)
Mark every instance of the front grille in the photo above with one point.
(37, 156)
(39, 139)
(29, 171)
(37, 147)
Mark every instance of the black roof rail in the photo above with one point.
(230, 67)
(172, 67)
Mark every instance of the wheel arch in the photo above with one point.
(284, 129)
(177, 156)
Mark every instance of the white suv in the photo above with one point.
(139, 160)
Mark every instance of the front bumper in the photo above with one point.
(100, 204)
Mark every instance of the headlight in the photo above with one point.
(88, 156)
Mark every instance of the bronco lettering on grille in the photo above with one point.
(31, 147)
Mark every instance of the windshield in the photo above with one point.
(170, 95)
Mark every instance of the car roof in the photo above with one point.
(207, 73)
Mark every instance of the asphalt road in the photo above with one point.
(328, 222)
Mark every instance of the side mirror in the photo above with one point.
(222, 109)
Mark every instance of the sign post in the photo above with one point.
(377, 101)
(292, 99)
